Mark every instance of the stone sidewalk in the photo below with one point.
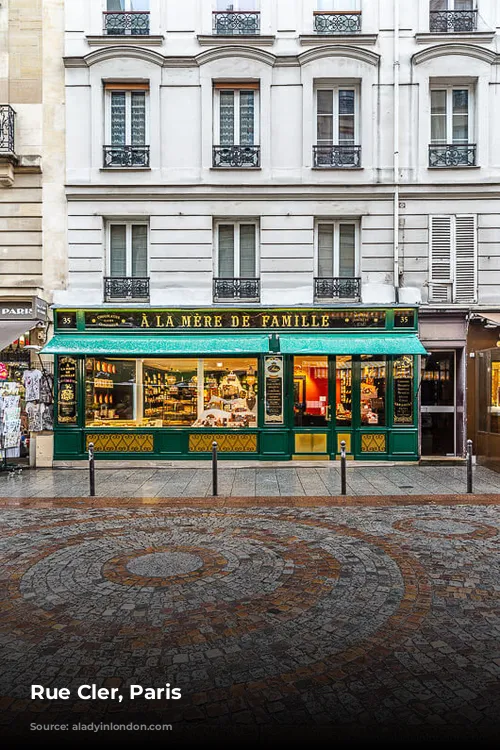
(275, 481)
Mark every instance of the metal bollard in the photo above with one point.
(91, 470)
(343, 467)
(469, 467)
(214, 468)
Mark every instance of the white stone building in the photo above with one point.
(327, 152)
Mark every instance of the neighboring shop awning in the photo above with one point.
(126, 346)
(338, 343)
(11, 330)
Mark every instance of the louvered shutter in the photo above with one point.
(118, 250)
(226, 251)
(139, 250)
(325, 251)
(247, 251)
(440, 258)
(465, 259)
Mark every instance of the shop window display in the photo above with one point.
(495, 395)
(343, 391)
(373, 390)
(310, 385)
(110, 392)
(229, 393)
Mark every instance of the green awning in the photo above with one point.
(361, 343)
(140, 345)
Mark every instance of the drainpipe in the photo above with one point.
(396, 67)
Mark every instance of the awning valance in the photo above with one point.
(11, 330)
(127, 346)
(338, 343)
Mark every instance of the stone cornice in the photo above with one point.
(208, 40)
(107, 40)
(251, 53)
(113, 52)
(363, 55)
(330, 39)
(466, 50)
(476, 37)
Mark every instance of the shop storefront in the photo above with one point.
(265, 384)
(484, 388)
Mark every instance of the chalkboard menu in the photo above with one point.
(403, 401)
(273, 383)
(66, 390)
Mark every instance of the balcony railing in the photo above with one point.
(7, 129)
(126, 287)
(337, 157)
(452, 21)
(236, 156)
(452, 155)
(237, 289)
(126, 156)
(130, 23)
(234, 22)
(337, 288)
(338, 22)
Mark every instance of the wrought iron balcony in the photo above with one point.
(126, 287)
(337, 157)
(130, 23)
(452, 155)
(234, 22)
(337, 288)
(236, 156)
(237, 289)
(338, 22)
(126, 156)
(452, 21)
(7, 129)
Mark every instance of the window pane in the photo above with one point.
(403, 390)
(118, 250)
(310, 388)
(110, 392)
(325, 251)
(347, 233)
(225, 5)
(438, 380)
(226, 118)
(229, 393)
(463, 5)
(325, 129)
(171, 392)
(138, 118)
(139, 250)
(438, 102)
(373, 390)
(438, 4)
(346, 102)
(118, 122)
(247, 118)
(346, 129)
(460, 101)
(494, 408)
(325, 102)
(226, 251)
(343, 391)
(139, 4)
(247, 251)
(438, 129)
(460, 129)
(116, 5)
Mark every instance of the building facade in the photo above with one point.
(311, 187)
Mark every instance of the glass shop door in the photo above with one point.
(438, 404)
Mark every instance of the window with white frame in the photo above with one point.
(336, 115)
(236, 253)
(452, 16)
(451, 4)
(336, 249)
(127, 6)
(453, 258)
(451, 120)
(337, 5)
(127, 17)
(127, 250)
(237, 5)
(126, 125)
(236, 121)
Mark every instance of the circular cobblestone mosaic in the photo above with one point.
(446, 528)
(164, 564)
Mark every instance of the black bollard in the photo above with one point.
(469, 467)
(214, 469)
(91, 470)
(343, 467)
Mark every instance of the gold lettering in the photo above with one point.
(218, 321)
(170, 322)
(207, 321)
(296, 321)
(305, 323)
(197, 321)
(245, 321)
(159, 324)
(144, 321)
(265, 320)
(275, 322)
(314, 321)
(235, 321)
(325, 320)
(286, 321)
(186, 321)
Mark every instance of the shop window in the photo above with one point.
(373, 390)
(343, 392)
(171, 392)
(236, 125)
(310, 390)
(126, 125)
(495, 394)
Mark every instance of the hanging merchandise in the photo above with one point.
(47, 388)
(34, 412)
(31, 381)
(10, 421)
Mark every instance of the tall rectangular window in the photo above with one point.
(236, 125)
(128, 250)
(336, 243)
(236, 250)
(336, 116)
(126, 125)
(450, 115)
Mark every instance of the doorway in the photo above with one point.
(438, 404)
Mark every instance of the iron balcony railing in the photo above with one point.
(126, 287)
(126, 156)
(452, 21)
(338, 157)
(236, 156)
(338, 22)
(234, 22)
(7, 129)
(452, 155)
(129, 23)
(337, 288)
(237, 289)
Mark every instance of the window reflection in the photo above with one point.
(373, 389)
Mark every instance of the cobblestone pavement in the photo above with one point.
(249, 482)
(371, 618)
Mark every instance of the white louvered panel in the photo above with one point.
(465, 259)
(440, 258)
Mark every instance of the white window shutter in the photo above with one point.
(440, 258)
(465, 259)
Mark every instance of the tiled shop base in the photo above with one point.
(365, 615)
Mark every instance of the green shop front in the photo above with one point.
(269, 384)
